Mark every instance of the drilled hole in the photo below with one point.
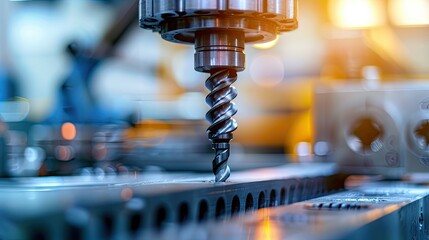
(317, 189)
(282, 196)
(313, 187)
(160, 217)
(291, 194)
(235, 206)
(108, 224)
(365, 136)
(273, 196)
(203, 211)
(306, 190)
(220, 208)
(421, 133)
(249, 202)
(261, 200)
(135, 222)
(300, 192)
(321, 188)
(183, 213)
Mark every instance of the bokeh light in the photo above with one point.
(68, 131)
(267, 45)
(357, 13)
(267, 70)
(409, 12)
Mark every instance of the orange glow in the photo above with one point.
(68, 131)
(126, 194)
(357, 13)
(267, 230)
(378, 213)
(301, 131)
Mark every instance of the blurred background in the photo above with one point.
(64, 66)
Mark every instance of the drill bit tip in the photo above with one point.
(223, 174)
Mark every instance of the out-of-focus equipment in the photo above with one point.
(219, 30)
(371, 127)
(84, 109)
(7, 86)
(3, 154)
(82, 137)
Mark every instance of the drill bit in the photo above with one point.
(220, 117)
(219, 33)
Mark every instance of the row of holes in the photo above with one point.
(135, 220)
(220, 211)
(161, 214)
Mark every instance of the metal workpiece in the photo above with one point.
(219, 29)
(140, 206)
(372, 130)
(378, 211)
(291, 202)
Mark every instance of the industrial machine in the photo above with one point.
(85, 172)
(219, 30)
(381, 134)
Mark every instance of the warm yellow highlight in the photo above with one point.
(357, 13)
(267, 45)
(409, 12)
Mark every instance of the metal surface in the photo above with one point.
(177, 21)
(219, 30)
(217, 49)
(377, 211)
(367, 129)
(124, 207)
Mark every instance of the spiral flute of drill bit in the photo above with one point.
(220, 117)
